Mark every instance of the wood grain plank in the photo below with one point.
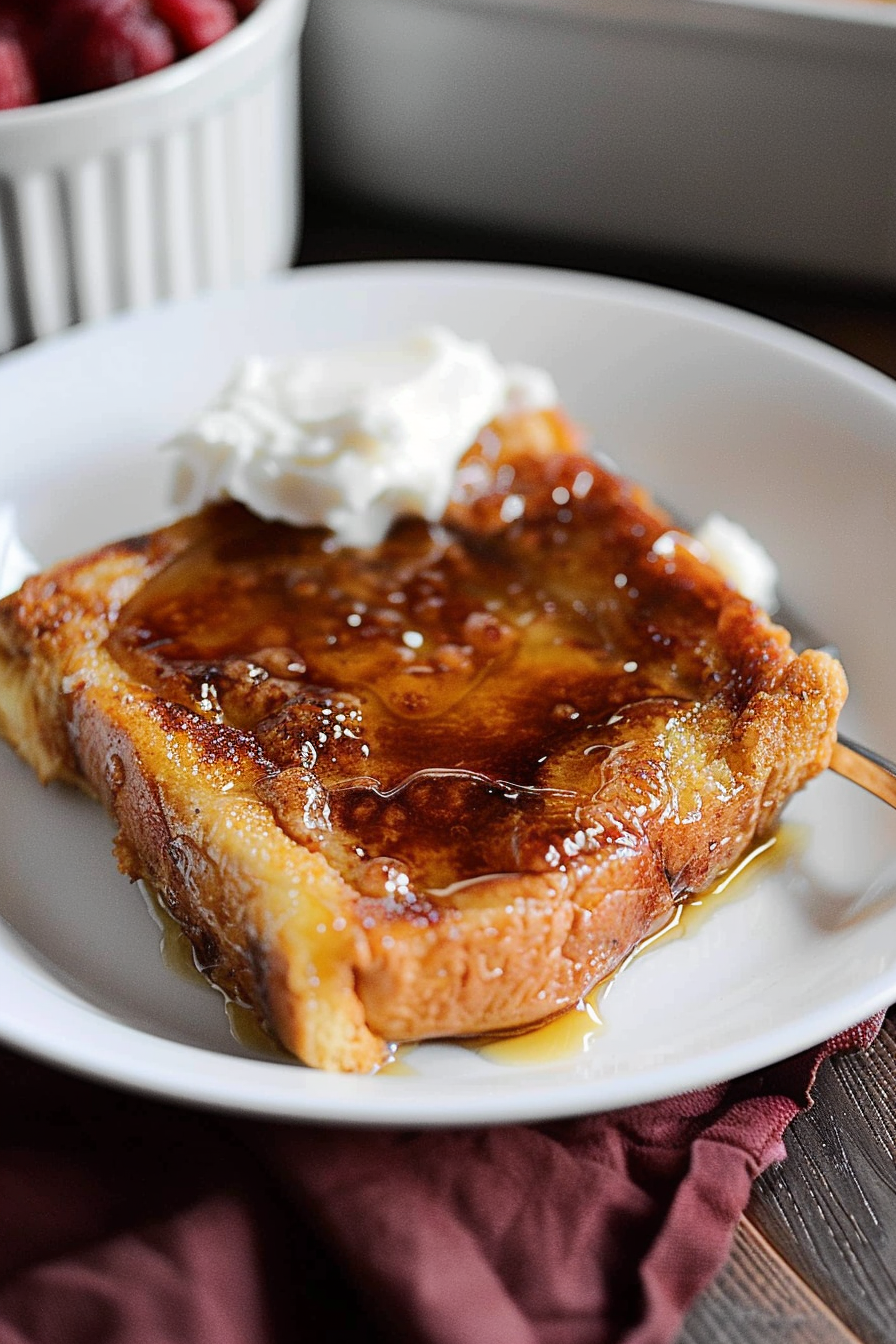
(758, 1299)
(830, 1209)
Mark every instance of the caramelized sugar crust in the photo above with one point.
(484, 758)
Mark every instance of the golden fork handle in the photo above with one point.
(865, 768)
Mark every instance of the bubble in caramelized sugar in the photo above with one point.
(281, 661)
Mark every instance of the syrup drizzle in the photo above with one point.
(577, 1031)
(566, 1036)
(463, 701)
(179, 957)
(456, 700)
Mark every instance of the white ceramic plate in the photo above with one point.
(716, 410)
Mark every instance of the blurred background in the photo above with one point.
(742, 149)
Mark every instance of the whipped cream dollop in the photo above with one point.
(16, 562)
(744, 561)
(351, 439)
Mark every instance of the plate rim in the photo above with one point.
(332, 1098)
(642, 293)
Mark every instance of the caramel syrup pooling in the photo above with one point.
(463, 699)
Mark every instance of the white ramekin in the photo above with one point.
(183, 180)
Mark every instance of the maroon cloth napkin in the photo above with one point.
(127, 1221)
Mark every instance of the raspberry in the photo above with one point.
(56, 48)
(17, 85)
(151, 44)
(92, 44)
(196, 23)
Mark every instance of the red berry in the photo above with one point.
(17, 84)
(15, 18)
(151, 44)
(196, 23)
(55, 48)
(92, 44)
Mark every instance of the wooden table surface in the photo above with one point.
(814, 1258)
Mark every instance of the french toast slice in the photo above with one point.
(436, 787)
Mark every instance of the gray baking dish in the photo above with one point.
(731, 130)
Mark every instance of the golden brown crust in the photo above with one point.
(211, 812)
